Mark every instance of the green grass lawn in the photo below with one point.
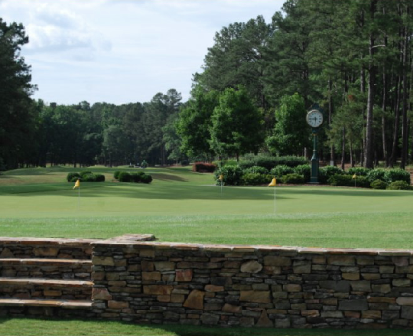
(48, 327)
(183, 206)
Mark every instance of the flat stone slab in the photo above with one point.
(70, 304)
(44, 261)
(48, 282)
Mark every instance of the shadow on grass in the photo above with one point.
(184, 192)
(132, 190)
(59, 327)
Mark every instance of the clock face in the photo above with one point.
(314, 118)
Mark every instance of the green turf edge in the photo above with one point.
(60, 327)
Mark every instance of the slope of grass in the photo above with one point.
(184, 206)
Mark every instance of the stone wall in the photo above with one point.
(252, 286)
(225, 285)
(24, 248)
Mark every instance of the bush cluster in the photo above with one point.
(365, 178)
(85, 176)
(139, 177)
(255, 179)
(269, 162)
(202, 167)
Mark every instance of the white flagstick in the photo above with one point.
(274, 201)
(78, 199)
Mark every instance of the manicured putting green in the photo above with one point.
(184, 206)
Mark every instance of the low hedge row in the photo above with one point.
(85, 176)
(269, 162)
(366, 178)
(139, 177)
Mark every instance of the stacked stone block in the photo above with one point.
(260, 286)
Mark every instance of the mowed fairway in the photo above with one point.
(184, 206)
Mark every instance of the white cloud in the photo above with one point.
(122, 51)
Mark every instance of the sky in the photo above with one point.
(122, 51)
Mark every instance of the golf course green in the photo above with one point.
(183, 206)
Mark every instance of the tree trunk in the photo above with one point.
(405, 89)
(330, 115)
(343, 150)
(393, 156)
(351, 155)
(368, 150)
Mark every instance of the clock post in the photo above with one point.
(315, 161)
(315, 120)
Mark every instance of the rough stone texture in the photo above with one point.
(251, 267)
(217, 285)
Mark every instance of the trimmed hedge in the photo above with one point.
(256, 170)
(359, 171)
(378, 184)
(72, 177)
(116, 174)
(146, 178)
(399, 185)
(376, 174)
(397, 174)
(232, 175)
(270, 162)
(255, 179)
(139, 177)
(124, 177)
(203, 167)
(348, 181)
(85, 176)
(292, 179)
(305, 171)
(281, 170)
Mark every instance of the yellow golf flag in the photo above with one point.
(273, 182)
(221, 177)
(77, 184)
(354, 176)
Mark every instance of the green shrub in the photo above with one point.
(88, 177)
(72, 176)
(232, 175)
(74, 179)
(281, 170)
(399, 185)
(378, 184)
(116, 174)
(331, 171)
(124, 177)
(397, 174)
(99, 178)
(376, 174)
(359, 171)
(84, 173)
(293, 179)
(270, 162)
(144, 164)
(146, 178)
(255, 179)
(348, 181)
(256, 170)
(135, 177)
(324, 173)
(304, 170)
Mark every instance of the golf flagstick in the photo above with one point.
(273, 184)
(77, 185)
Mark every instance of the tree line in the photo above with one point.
(352, 57)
